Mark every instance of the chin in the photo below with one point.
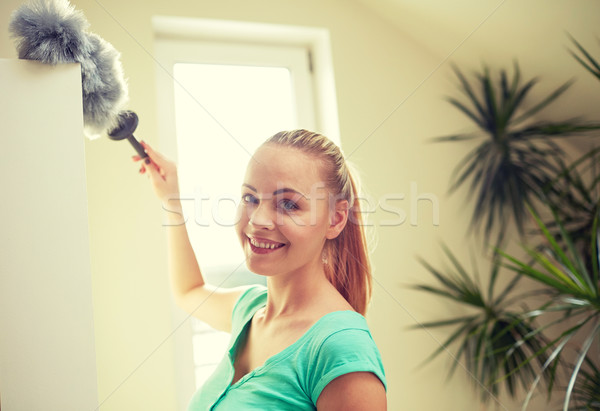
(261, 269)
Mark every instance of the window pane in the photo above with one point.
(222, 113)
(210, 347)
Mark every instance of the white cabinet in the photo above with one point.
(47, 355)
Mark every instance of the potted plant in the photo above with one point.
(516, 169)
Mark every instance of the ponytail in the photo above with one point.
(347, 264)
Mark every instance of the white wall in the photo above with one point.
(47, 355)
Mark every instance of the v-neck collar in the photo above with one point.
(275, 357)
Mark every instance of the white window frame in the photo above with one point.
(175, 35)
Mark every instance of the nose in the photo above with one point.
(260, 217)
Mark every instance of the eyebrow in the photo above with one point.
(281, 190)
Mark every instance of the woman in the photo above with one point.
(302, 342)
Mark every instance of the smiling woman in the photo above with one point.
(302, 342)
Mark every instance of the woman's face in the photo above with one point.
(283, 218)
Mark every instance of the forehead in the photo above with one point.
(273, 167)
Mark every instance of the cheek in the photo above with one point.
(241, 218)
(301, 230)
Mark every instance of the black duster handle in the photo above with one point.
(128, 122)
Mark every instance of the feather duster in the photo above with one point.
(53, 32)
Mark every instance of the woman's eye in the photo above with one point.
(288, 205)
(249, 199)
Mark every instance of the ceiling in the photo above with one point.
(496, 32)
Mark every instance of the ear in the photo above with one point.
(338, 219)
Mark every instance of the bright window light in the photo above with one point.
(222, 114)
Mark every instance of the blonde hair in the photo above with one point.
(346, 258)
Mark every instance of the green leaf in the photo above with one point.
(470, 162)
(490, 100)
(555, 354)
(560, 129)
(578, 271)
(508, 289)
(454, 137)
(466, 279)
(466, 112)
(595, 254)
(553, 96)
(438, 275)
(505, 92)
(449, 340)
(461, 351)
(555, 247)
(437, 291)
(591, 64)
(444, 323)
(494, 275)
(582, 355)
(556, 272)
(518, 99)
(535, 274)
(466, 88)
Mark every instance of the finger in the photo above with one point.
(160, 170)
(154, 155)
(136, 158)
(149, 162)
(154, 172)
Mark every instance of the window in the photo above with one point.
(222, 114)
(241, 106)
(224, 88)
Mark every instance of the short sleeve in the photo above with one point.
(343, 352)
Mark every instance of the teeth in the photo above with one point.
(263, 245)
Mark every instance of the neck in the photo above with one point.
(295, 292)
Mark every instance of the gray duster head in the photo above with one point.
(104, 88)
(53, 32)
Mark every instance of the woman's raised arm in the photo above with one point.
(210, 304)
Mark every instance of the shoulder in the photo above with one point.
(343, 345)
(345, 338)
(355, 391)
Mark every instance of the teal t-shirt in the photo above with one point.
(338, 343)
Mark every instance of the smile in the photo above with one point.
(263, 246)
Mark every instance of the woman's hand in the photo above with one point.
(163, 175)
